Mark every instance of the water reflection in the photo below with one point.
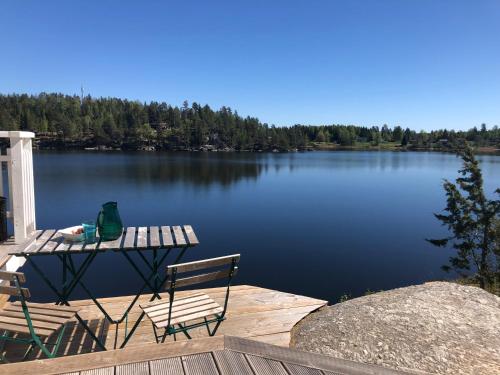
(346, 221)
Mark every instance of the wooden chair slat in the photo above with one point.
(194, 316)
(202, 264)
(177, 314)
(191, 236)
(24, 329)
(154, 237)
(48, 307)
(35, 323)
(179, 236)
(40, 241)
(129, 241)
(41, 317)
(9, 276)
(180, 300)
(166, 235)
(12, 291)
(162, 307)
(186, 281)
(34, 310)
(142, 238)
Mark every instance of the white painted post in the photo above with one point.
(21, 186)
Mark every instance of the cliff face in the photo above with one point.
(436, 327)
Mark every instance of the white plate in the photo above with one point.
(68, 235)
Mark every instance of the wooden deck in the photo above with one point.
(222, 355)
(261, 314)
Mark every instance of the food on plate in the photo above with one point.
(77, 231)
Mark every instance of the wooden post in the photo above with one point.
(21, 186)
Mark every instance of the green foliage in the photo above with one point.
(345, 297)
(70, 121)
(474, 224)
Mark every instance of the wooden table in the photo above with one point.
(141, 239)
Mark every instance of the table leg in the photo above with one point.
(62, 299)
(155, 272)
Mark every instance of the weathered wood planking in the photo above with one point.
(154, 237)
(224, 355)
(191, 236)
(40, 241)
(142, 238)
(179, 236)
(129, 238)
(230, 362)
(115, 244)
(263, 314)
(166, 236)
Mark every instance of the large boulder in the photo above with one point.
(437, 327)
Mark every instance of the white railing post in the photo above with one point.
(21, 186)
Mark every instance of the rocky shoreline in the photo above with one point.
(437, 327)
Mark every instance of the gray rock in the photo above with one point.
(436, 327)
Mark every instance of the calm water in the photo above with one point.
(319, 224)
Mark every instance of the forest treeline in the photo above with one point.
(64, 121)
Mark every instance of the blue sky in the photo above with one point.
(425, 64)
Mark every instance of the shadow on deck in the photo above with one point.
(261, 314)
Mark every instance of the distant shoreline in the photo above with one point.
(314, 147)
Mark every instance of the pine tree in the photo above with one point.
(474, 222)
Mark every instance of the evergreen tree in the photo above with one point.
(474, 223)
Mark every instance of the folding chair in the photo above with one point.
(196, 310)
(30, 323)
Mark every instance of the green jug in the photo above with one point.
(109, 223)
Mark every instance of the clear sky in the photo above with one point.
(424, 63)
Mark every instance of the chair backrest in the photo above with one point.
(228, 267)
(16, 278)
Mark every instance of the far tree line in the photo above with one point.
(64, 121)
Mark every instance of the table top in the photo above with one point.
(49, 241)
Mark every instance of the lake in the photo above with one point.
(321, 224)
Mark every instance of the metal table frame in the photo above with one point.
(72, 275)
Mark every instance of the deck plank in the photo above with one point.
(200, 364)
(262, 314)
(137, 368)
(232, 363)
(99, 371)
(265, 366)
(294, 369)
(167, 366)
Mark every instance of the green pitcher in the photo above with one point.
(109, 223)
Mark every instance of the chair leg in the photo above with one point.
(58, 341)
(154, 330)
(2, 344)
(42, 347)
(216, 327)
(28, 352)
(184, 330)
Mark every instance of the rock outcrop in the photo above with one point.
(437, 327)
